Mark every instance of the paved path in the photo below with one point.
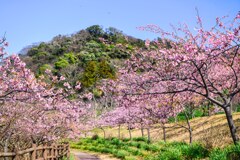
(84, 156)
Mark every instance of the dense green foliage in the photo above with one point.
(86, 56)
(95, 70)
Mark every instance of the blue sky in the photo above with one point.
(29, 21)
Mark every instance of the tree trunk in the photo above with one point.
(208, 108)
(176, 118)
(190, 136)
(231, 125)
(142, 131)
(129, 130)
(164, 132)
(189, 127)
(119, 129)
(104, 133)
(148, 133)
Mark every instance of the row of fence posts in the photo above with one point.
(41, 152)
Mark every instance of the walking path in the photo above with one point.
(81, 155)
(84, 156)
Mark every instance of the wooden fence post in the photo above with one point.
(52, 151)
(34, 153)
(61, 151)
(45, 151)
(68, 151)
(56, 151)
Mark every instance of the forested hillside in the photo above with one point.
(86, 56)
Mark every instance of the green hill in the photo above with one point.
(86, 56)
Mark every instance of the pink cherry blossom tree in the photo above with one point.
(33, 111)
(203, 63)
(142, 109)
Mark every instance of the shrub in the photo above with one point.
(89, 76)
(95, 70)
(79, 143)
(61, 63)
(228, 153)
(95, 30)
(233, 152)
(144, 147)
(101, 141)
(136, 152)
(217, 154)
(114, 151)
(126, 139)
(130, 47)
(115, 141)
(143, 139)
(154, 148)
(106, 150)
(170, 154)
(70, 57)
(121, 154)
(100, 145)
(119, 54)
(87, 140)
(75, 146)
(84, 147)
(194, 151)
(134, 144)
(95, 137)
(124, 147)
(176, 144)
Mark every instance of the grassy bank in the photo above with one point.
(212, 131)
(140, 149)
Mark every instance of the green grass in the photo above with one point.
(139, 148)
(229, 153)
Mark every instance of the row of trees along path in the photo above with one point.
(180, 69)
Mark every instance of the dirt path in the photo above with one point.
(84, 156)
